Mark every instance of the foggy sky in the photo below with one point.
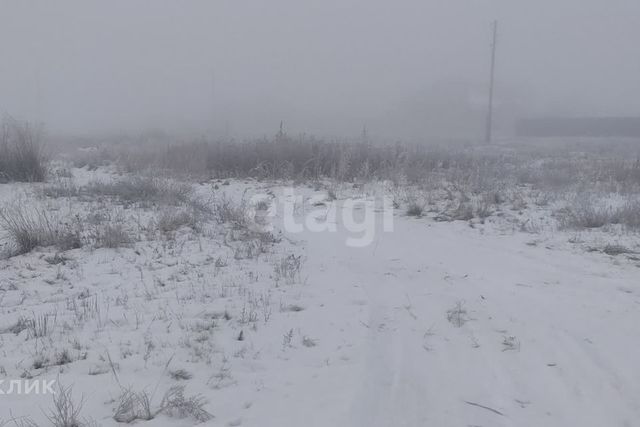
(325, 67)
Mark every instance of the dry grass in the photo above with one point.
(415, 208)
(170, 221)
(587, 212)
(112, 235)
(458, 315)
(66, 411)
(133, 406)
(287, 269)
(22, 156)
(61, 187)
(462, 182)
(27, 227)
(180, 375)
(542, 166)
(228, 211)
(136, 189)
(176, 404)
(30, 227)
(628, 215)
(616, 249)
(476, 182)
(18, 422)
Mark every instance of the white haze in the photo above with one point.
(405, 69)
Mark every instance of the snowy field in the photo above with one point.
(272, 303)
(340, 213)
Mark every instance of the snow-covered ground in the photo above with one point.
(428, 324)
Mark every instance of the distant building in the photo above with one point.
(598, 127)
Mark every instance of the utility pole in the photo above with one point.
(489, 134)
(212, 106)
(39, 112)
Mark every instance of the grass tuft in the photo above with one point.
(30, 227)
(22, 156)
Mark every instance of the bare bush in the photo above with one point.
(22, 156)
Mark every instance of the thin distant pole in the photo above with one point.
(212, 104)
(489, 134)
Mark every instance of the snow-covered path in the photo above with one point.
(442, 325)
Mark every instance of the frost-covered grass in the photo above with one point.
(22, 156)
(588, 212)
(454, 180)
(31, 226)
(174, 281)
(174, 308)
(141, 189)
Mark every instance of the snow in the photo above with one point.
(433, 323)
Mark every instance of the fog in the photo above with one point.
(410, 69)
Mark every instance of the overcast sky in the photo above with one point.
(325, 67)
